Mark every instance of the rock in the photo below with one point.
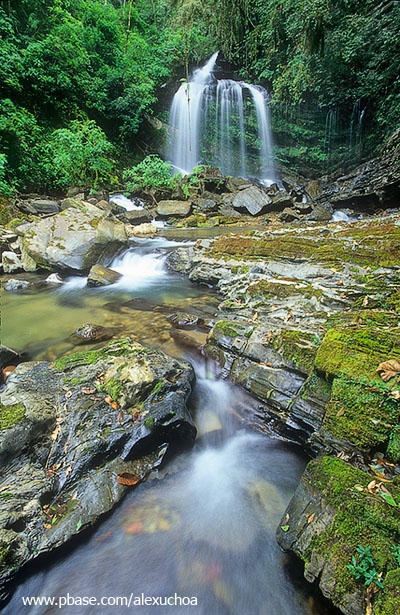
(13, 285)
(89, 333)
(314, 189)
(181, 320)
(322, 212)
(233, 184)
(206, 206)
(137, 216)
(8, 356)
(102, 276)
(106, 205)
(326, 521)
(54, 278)
(288, 215)
(280, 201)
(40, 206)
(11, 262)
(141, 230)
(66, 432)
(174, 208)
(74, 238)
(253, 199)
(75, 192)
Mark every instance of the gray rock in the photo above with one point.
(74, 431)
(137, 216)
(72, 239)
(322, 212)
(45, 206)
(289, 215)
(11, 262)
(253, 199)
(102, 276)
(13, 285)
(280, 201)
(207, 206)
(174, 208)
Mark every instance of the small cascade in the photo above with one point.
(221, 122)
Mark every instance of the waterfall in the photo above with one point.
(209, 121)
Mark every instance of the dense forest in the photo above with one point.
(80, 79)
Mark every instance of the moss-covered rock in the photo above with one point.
(331, 514)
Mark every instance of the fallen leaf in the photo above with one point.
(68, 394)
(108, 400)
(395, 395)
(134, 528)
(121, 416)
(287, 519)
(125, 478)
(88, 391)
(340, 412)
(114, 405)
(47, 525)
(68, 471)
(389, 369)
(311, 518)
(73, 497)
(371, 485)
(79, 525)
(359, 487)
(366, 301)
(284, 528)
(164, 525)
(4, 488)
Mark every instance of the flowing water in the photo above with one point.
(203, 527)
(221, 122)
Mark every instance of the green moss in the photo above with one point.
(362, 519)
(299, 347)
(116, 348)
(388, 600)
(10, 415)
(230, 328)
(157, 388)
(113, 387)
(149, 422)
(6, 555)
(393, 448)
(357, 415)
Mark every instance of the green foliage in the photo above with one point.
(364, 567)
(152, 172)
(5, 188)
(81, 155)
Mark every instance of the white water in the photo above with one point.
(208, 124)
(135, 204)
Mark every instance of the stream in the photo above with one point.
(203, 526)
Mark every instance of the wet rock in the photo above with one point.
(280, 201)
(314, 189)
(207, 206)
(72, 239)
(13, 285)
(11, 262)
(102, 276)
(54, 278)
(89, 333)
(254, 200)
(289, 215)
(137, 216)
(8, 356)
(181, 320)
(322, 212)
(173, 208)
(69, 427)
(40, 206)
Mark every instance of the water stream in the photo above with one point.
(203, 527)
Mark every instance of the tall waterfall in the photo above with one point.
(221, 122)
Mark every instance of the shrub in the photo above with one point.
(152, 172)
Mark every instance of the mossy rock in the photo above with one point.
(361, 519)
(300, 347)
(10, 415)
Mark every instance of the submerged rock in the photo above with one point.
(72, 239)
(68, 428)
(102, 276)
(89, 333)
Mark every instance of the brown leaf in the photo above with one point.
(121, 416)
(125, 478)
(108, 400)
(114, 405)
(4, 488)
(395, 395)
(88, 391)
(389, 369)
(311, 518)
(68, 394)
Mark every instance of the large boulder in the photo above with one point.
(39, 206)
(253, 199)
(70, 430)
(174, 208)
(72, 239)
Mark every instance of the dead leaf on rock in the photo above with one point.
(389, 369)
(88, 391)
(68, 394)
(311, 518)
(128, 479)
(395, 395)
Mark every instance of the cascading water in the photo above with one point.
(221, 122)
